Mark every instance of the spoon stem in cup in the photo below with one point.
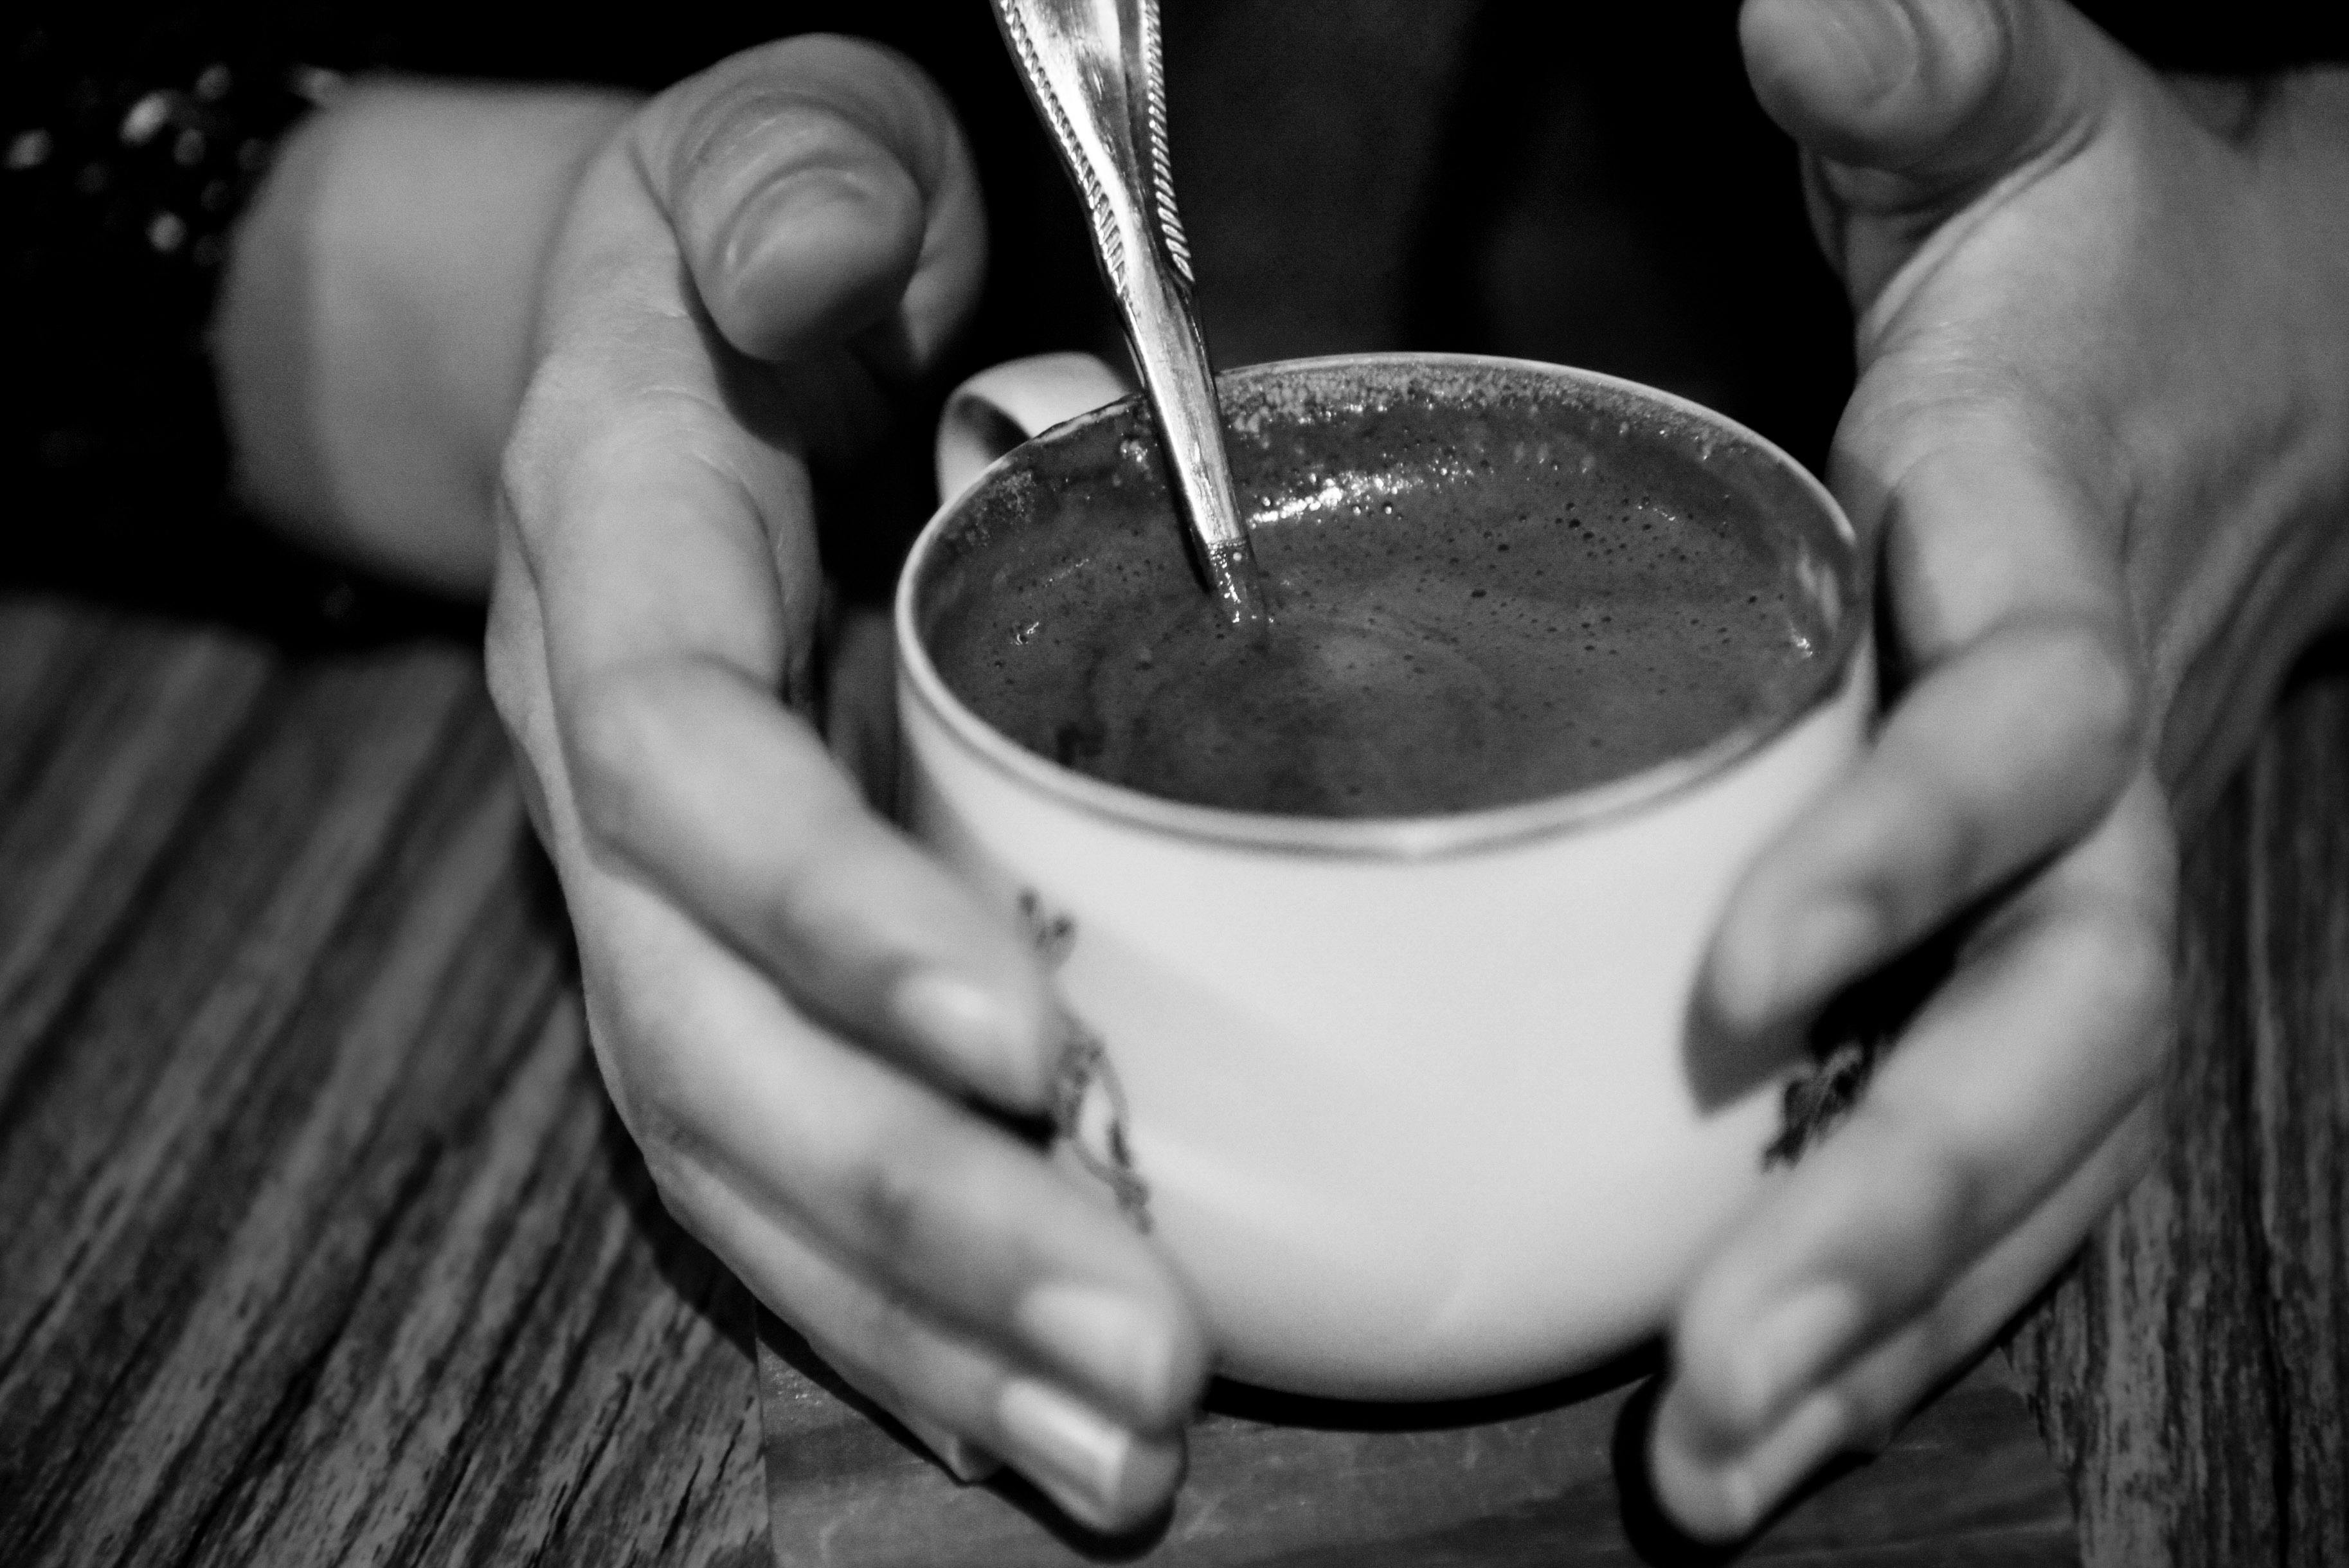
(1095, 71)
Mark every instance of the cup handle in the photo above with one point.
(1000, 406)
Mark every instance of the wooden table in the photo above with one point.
(321, 1244)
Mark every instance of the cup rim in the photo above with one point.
(1421, 837)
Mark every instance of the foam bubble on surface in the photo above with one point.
(1469, 611)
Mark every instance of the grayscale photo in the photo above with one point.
(1209, 783)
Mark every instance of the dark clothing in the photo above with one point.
(1603, 191)
(133, 137)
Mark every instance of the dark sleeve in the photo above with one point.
(134, 137)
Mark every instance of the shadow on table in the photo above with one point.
(1546, 1475)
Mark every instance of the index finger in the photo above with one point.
(663, 515)
(2016, 722)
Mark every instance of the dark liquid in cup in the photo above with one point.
(1475, 606)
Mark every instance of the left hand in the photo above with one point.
(2102, 431)
(826, 1047)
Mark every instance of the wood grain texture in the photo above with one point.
(2192, 1370)
(321, 1243)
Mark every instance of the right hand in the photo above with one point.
(2102, 427)
(801, 1018)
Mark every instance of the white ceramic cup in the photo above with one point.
(1408, 1102)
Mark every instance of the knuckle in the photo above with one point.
(2130, 954)
(610, 400)
(895, 1195)
(680, 1180)
(1943, 1195)
(533, 451)
(611, 740)
(2089, 670)
(671, 1182)
(827, 876)
(889, 1205)
(502, 666)
(884, 1342)
(510, 657)
(521, 470)
(661, 1091)
(649, 1101)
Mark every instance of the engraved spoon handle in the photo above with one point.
(1093, 67)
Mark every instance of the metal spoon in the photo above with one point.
(1094, 69)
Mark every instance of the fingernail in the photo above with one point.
(1881, 44)
(964, 1460)
(784, 209)
(1081, 1459)
(1106, 1336)
(1793, 1347)
(954, 1019)
(1800, 1444)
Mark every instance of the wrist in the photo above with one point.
(374, 327)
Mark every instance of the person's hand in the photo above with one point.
(801, 1017)
(2101, 431)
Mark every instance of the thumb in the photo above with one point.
(1919, 104)
(820, 190)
